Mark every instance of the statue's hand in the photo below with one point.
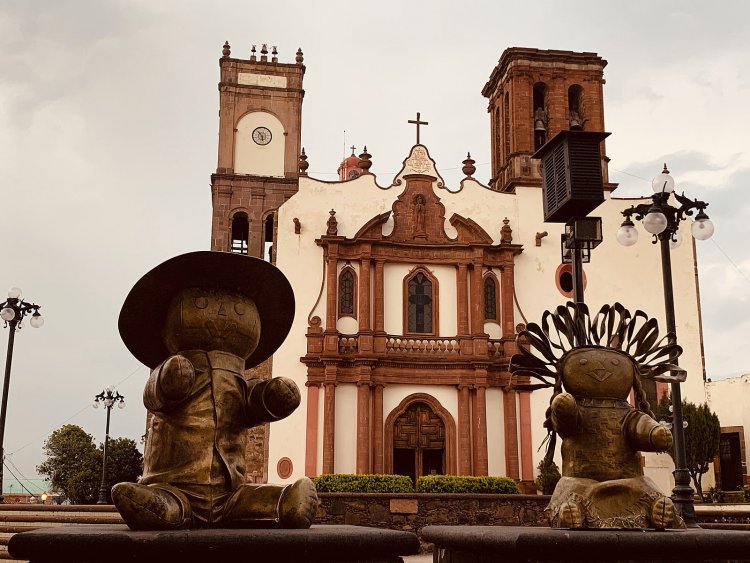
(176, 379)
(169, 384)
(271, 400)
(564, 414)
(661, 438)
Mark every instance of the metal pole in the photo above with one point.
(682, 494)
(577, 275)
(103, 487)
(4, 410)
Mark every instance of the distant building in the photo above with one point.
(409, 295)
(730, 400)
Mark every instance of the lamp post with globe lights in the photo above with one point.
(109, 397)
(12, 311)
(662, 220)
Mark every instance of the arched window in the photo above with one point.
(421, 298)
(490, 298)
(240, 233)
(347, 292)
(541, 116)
(268, 238)
(575, 107)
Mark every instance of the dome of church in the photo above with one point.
(349, 168)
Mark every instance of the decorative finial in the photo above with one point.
(264, 53)
(303, 164)
(665, 171)
(227, 50)
(364, 161)
(506, 233)
(333, 224)
(469, 167)
(274, 52)
(299, 58)
(252, 54)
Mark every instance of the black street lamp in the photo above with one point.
(12, 312)
(662, 220)
(109, 397)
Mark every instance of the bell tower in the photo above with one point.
(260, 110)
(533, 95)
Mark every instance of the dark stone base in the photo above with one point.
(87, 544)
(493, 544)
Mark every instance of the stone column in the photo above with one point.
(480, 431)
(329, 418)
(377, 430)
(364, 295)
(378, 297)
(511, 434)
(464, 431)
(462, 302)
(331, 292)
(311, 432)
(507, 288)
(477, 298)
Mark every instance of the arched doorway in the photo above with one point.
(419, 442)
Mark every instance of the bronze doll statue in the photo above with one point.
(199, 320)
(592, 365)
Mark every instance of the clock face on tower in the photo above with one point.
(262, 135)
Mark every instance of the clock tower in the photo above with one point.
(260, 109)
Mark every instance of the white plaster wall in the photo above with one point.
(494, 330)
(252, 158)
(345, 443)
(631, 276)
(730, 400)
(495, 433)
(446, 395)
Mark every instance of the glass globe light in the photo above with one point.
(627, 234)
(96, 404)
(702, 228)
(655, 221)
(36, 320)
(663, 183)
(15, 293)
(121, 405)
(7, 314)
(676, 240)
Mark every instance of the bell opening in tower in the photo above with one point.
(268, 238)
(240, 233)
(540, 115)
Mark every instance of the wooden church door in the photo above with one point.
(418, 443)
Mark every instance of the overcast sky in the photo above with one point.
(108, 131)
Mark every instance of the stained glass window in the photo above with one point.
(490, 298)
(346, 293)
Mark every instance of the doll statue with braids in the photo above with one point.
(592, 365)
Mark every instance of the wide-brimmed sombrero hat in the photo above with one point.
(144, 312)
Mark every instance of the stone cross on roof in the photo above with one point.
(418, 123)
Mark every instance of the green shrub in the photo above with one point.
(455, 484)
(745, 490)
(347, 483)
(715, 495)
(549, 475)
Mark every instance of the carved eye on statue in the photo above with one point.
(353, 174)
(262, 135)
(615, 362)
(583, 361)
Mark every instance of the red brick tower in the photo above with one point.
(534, 94)
(260, 110)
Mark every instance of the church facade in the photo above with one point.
(409, 295)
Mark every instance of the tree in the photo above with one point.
(74, 463)
(124, 461)
(549, 475)
(701, 437)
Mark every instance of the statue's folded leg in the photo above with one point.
(290, 506)
(152, 507)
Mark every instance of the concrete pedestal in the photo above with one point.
(495, 544)
(115, 544)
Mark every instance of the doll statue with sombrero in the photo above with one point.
(593, 364)
(199, 320)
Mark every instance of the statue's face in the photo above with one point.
(598, 373)
(199, 319)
